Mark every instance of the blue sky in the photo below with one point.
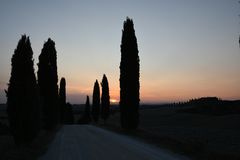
(187, 48)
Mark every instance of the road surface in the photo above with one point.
(87, 142)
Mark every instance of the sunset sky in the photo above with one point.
(187, 48)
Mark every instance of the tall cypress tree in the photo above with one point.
(129, 77)
(105, 99)
(69, 119)
(86, 118)
(47, 80)
(62, 99)
(96, 102)
(87, 111)
(22, 95)
(87, 115)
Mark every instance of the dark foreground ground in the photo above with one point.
(197, 135)
(200, 136)
(9, 151)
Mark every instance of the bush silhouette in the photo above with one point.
(105, 99)
(96, 102)
(22, 95)
(47, 80)
(129, 77)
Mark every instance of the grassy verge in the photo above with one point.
(191, 145)
(9, 151)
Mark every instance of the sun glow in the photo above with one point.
(113, 100)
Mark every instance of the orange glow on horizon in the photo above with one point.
(165, 94)
(169, 88)
(114, 101)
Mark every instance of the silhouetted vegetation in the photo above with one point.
(62, 99)
(47, 80)
(96, 102)
(69, 119)
(204, 101)
(86, 118)
(105, 99)
(66, 112)
(87, 110)
(22, 95)
(129, 77)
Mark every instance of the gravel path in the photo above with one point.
(86, 142)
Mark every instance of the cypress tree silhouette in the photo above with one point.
(87, 111)
(22, 95)
(47, 80)
(105, 99)
(86, 118)
(96, 102)
(69, 119)
(62, 99)
(129, 77)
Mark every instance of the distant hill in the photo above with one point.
(212, 105)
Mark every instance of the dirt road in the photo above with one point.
(86, 142)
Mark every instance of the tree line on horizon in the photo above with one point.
(38, 103)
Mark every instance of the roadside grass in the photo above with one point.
(174, 131)
(9, 151)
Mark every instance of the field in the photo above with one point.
(197, 135)
(200, 136)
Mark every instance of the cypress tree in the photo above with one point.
(96, 102)
(22, 95)
(87, 116)
(129, 77)
(69, 119)
(62, 99)
(47, 80)
(105, 99)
